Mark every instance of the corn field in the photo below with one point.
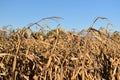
(59, 54)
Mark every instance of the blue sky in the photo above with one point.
(78, 14)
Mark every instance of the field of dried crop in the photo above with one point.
(59, 54)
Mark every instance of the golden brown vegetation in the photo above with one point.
(59, 55)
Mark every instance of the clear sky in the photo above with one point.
(78, 14)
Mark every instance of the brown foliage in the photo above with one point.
(59, 55)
